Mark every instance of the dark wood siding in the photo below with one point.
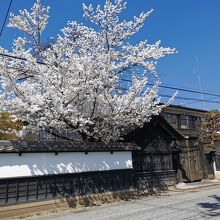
(145, 162)
(57, 186)
(161, 180)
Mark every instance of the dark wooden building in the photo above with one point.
(157, 162)
(187, 121)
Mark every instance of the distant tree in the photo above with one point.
(74, 83)
(8, 127)
(209, 128)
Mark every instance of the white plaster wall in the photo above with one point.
(217, 173)
(31, 164)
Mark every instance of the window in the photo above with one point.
(184, 121)
(190, 122)
(172, 119)
(203, 119)
(197, 123)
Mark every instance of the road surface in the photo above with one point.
(198, 204)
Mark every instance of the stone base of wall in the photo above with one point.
(36, 208)
(160, 180)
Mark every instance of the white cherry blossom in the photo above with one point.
(74, 83)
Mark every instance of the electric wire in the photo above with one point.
(178, 88)
(181, 97)
(189, 99)
(205, 100)
(6, 16)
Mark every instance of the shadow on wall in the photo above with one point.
(101, 198)
(154, 182)
(62, 168)
(88, 187)
(211, 209)
(181, 174)
(32, 164)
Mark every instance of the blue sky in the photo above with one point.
(190, 26)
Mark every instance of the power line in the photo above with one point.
(190, 88)
(181, 97)
(191, 99)
(206, 100)
(179, 89)
(6, 16)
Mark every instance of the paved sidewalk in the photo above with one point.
(199, 184)
(200, 204)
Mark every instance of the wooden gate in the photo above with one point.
(191, 162)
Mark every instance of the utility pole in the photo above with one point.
(197, 73)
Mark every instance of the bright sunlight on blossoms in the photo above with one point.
(75, 82)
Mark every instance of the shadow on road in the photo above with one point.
(211, 208)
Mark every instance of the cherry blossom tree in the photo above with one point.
(74, 82)
(210, 129)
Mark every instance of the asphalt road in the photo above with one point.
(198, 204)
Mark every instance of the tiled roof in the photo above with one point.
(64, 146)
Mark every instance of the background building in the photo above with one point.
(188, 121)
